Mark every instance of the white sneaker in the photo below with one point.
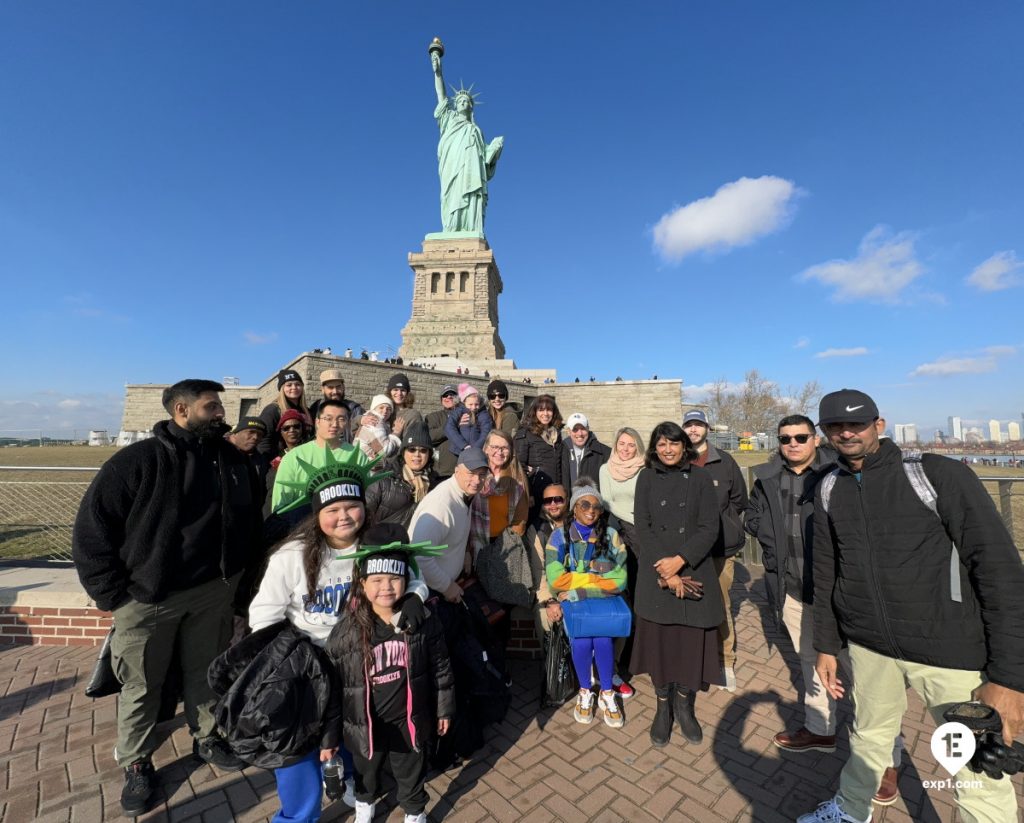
(364, 812)
(610, 710)
(831, 811)
(416, 818)
(584, 710)
(349, 798)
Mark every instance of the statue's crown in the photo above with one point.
(465, 92)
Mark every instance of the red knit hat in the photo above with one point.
(294, 414)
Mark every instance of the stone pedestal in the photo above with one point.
(455, 292)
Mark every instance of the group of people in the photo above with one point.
(350, 540)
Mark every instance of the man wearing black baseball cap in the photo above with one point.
(916, 573)
(436, 421)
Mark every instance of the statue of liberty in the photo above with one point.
(464, 162)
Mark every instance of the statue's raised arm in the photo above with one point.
(464, 161)
(435, 64)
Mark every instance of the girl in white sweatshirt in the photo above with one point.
(307, 582)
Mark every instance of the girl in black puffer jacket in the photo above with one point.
(398, 687)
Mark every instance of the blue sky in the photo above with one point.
(693, 190)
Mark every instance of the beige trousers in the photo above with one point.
(879, 702)
(726, 568)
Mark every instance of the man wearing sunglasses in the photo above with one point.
(781, 516)
(917, 575)
(436, 421)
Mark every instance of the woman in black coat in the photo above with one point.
(394, 499)
(678, 603)
(538, 446)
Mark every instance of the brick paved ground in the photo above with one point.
(57, 760)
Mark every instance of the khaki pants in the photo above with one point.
(879, 702)
(197, 624)
(819, 706)
(726, 569)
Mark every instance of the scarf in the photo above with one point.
(419, 481)
(622, 470)
(550, 435)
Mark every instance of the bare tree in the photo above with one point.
(758, 404)
(803, 399)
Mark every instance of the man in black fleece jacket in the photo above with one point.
(161, 539)
(930, 598)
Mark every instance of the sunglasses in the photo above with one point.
(497, 396)
(296, 428)
(448, 394)
(586, 506)
(799, 438)
(548, 501)
(418, 450)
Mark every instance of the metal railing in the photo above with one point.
(37, 510)
(1007, 493)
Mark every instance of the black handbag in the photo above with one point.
(560, 683)
(103, 681)
(503, 567)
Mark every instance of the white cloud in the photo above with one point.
(255, 339)
(699, 393)
(736, 215)
(986, 361)
(884, 266)
(1001, 271)
(85, 305)
(856, 351)
(60, 415)
(802, 343)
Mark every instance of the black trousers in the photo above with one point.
(408, 766)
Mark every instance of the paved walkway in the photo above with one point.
(57, 762)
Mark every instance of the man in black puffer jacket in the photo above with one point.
(161, 539)
(933, 598)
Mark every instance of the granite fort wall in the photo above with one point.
(609, 406)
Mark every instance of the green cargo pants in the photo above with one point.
(197, 623)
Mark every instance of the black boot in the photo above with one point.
(661, 728)
(682, 701)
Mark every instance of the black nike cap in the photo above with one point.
(847, 406)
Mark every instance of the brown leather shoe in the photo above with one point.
(888, 791)
(803, 741)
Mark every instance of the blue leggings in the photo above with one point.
(300, 787)
(585, 650)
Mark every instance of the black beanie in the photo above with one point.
(497, 386)
(399, 381)
(285, 375)
(416, 434)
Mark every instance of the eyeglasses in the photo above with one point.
(549, 501)
(498, 396)
(799, 438)
(586, 506)
(330, 420)
(501, 449)
(296, 428)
